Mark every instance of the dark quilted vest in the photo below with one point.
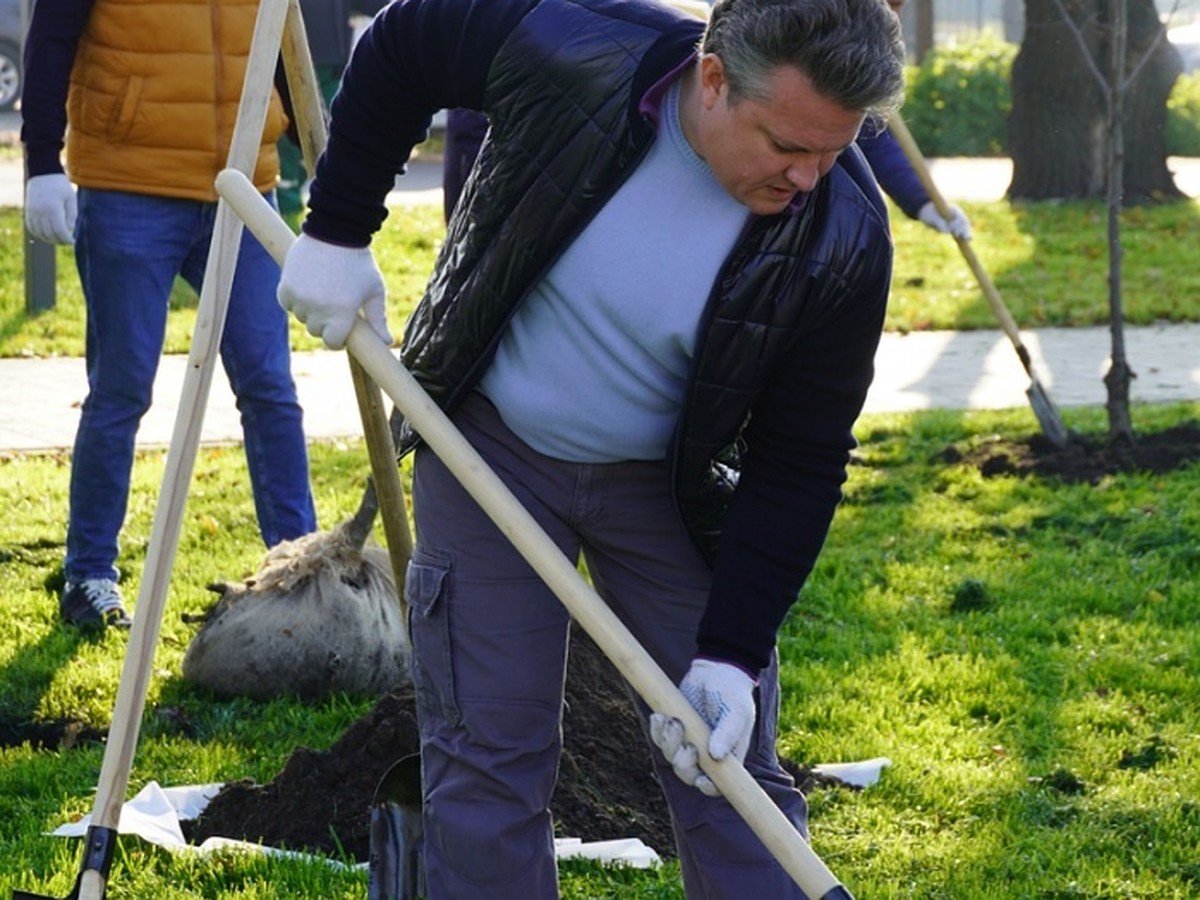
(562, 142)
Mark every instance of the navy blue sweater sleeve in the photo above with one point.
(50, 46)
(798, 444)
(417, 56)
(893, 171)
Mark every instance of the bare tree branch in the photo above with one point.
(1101, 79)
(1077, 33)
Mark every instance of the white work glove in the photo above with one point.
(51, 208)
(324, 286)
(958, 224)
(723, 695)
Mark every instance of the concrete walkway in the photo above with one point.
(39, 398)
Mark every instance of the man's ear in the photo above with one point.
(712, 79)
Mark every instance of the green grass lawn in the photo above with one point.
(1049, 262)
(1024, 651)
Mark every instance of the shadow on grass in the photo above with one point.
(1159, 279)
(28, 674)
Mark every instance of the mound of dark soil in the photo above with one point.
(321, 800)
(1085, 459)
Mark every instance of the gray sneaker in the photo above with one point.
(93, 604)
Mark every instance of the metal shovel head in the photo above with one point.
(395, 870)
(1047, 415)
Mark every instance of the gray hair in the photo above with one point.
(850, 49)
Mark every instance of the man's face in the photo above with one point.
(763, 152)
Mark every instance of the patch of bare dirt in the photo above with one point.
(1086, 459)
(606, 789)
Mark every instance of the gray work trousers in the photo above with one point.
(490, 642)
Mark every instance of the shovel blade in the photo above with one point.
(1047, 415)
(395, 870)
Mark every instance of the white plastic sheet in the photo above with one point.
(860, 774)
(155, 813)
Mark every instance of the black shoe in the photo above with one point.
(93, 603)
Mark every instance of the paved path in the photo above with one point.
(39, 398)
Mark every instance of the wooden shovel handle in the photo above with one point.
(181, 455)
(590, 611)
(912, 152)
(185, 440)
(309, 110)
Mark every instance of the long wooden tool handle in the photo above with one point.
(584, 605)
(381, 451)
(587, 608)
(185, 439)
(913, 153)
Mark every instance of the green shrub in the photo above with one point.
(958, 99)
(1183, 117)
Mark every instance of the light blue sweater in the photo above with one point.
(594, 366)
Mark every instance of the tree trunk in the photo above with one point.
(923, 32)
(1057, 127)
(1144, 120)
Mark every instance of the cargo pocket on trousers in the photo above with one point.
(426, 584)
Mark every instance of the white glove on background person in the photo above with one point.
(958, 224)
(324, 286)
(723, 695)
(51, 208)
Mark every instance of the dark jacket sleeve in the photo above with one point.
(417, 57)
(798, 443)
(50, 47)
(893, 171)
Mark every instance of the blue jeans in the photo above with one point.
(490, 644)
(129, 248)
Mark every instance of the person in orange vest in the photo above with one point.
(150, 94)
